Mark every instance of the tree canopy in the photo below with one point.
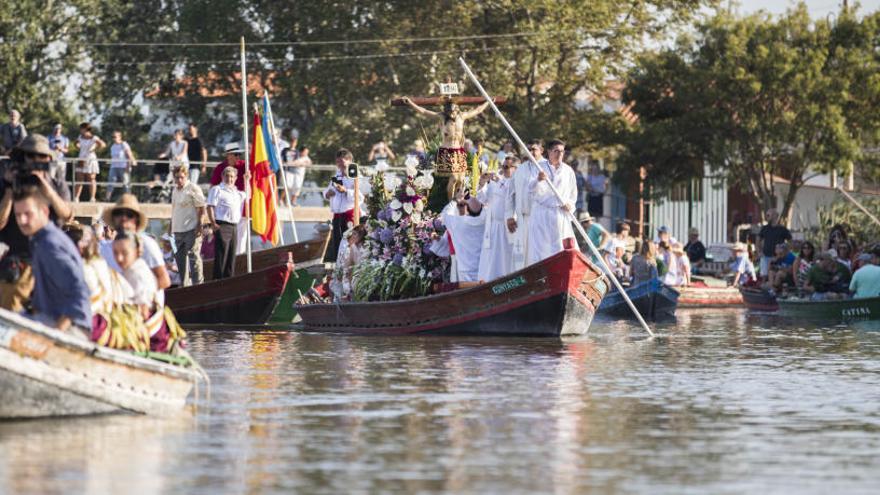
(756, 97)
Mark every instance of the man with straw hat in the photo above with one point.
(126, 215)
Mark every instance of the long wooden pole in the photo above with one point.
(247, 156)
(570, 214)
(858, 205)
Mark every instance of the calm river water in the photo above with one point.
(719, 403)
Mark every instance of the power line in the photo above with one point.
(338, 42)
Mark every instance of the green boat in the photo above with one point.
(838, 310)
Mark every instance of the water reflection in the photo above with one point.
(719, 402)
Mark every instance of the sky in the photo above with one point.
(818, 8)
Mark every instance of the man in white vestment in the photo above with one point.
(496, 260)
(549, 223)
(465, 224)
(519, 204)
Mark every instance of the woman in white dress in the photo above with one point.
(87, 169)
(177, 152)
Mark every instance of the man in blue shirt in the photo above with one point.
(61, 297)
(779, 273)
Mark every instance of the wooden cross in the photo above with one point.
(441, 100)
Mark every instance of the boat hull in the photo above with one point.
(703, 297)
(246, 299)
(841, 310)
(48, 373)
(653, 299)
(757, 299)
(555, 297)
(303, 254)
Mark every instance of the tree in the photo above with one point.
(753, 97)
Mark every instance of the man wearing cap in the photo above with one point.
(225, 203)
(695, 249)
(828, 278)
(550, 223)
(12, 133)
(596, 232)
(33, 154)
(742, 267)
(866, 281)
(126, 215)
(664, 235)
(187, 211)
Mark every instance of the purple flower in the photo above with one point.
(398, 259)
(383, 214)
(386, 235)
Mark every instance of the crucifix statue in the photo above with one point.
(451, 159)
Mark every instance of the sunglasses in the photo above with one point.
(124, 213)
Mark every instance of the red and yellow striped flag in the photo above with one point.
(264, 220)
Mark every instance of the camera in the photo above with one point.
(23, 172)
(352, 169)
(336, 180)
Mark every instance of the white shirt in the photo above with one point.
(152, 255)
(185, 202)
(118, 156)
(520, 200)
(227, 202)
(342, 202)
(142, 281)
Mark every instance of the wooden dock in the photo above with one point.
(163, 212)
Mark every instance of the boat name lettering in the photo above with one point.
(509, 285)
(861, 311)
(29, 345)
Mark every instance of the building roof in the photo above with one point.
(216, 85)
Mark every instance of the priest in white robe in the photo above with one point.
(519, 204)
(496, 260)
(549, 223)
(465, 224)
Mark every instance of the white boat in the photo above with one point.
(48, 373)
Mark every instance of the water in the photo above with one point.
(720, 403)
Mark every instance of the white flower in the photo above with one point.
(395, 204)
(411, 170)
(391, 183)
(416, 216)
(420, 206)
(428, 179)
(396, 215)
(411, 161)
(410, 191)
(382, 167)
(408, 208)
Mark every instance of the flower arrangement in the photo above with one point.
(399, 235)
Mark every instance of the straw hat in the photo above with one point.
(126, 202)
(233, 147)
(34, 143)
(677, 248)
(585, 216)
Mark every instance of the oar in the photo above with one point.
(571, 216)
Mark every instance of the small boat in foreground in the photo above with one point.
(557, 296)
(47, 373)
(652, 298)
(248, 299)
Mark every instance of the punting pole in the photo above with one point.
(556, 193)
(247, 156)
(272, 133)
(858, 205)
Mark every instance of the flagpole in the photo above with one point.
(558, 197)
(247, 156)
(271, 121)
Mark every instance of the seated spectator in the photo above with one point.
(644, 264)
(126, 248)
(663, 235)
(742, 267)
(664, 257)
(106, 287)
(802, 264)
(126, 215)
(60, 297)
(614, 253)
(779, 273)
(622, 234)
(828, 279)
(595, 231)
(866, 280)
(170, 261)
(695, 249)
(679, 272)
(845, 254)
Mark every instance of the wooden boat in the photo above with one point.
(652, 298)
(45, 372)
(557, 296)
(709, 292)
(833, 311)
(304, 254)
(248, 299)
(758, 299)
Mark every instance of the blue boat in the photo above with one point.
(653, 299)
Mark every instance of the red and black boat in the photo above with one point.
(304, 254)
(557, 296)
(758, 299)
(246, 299)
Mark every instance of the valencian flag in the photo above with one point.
(272, 151)
(264, 220)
